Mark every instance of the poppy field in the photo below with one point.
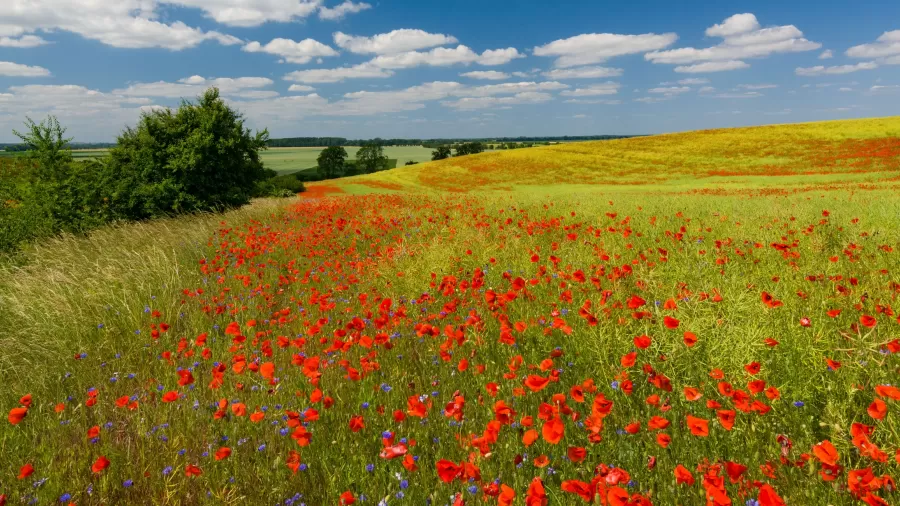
(377, 343)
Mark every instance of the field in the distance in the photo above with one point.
(778, 158)
(287, 160)
(698, 318)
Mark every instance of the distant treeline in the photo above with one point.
(303, 142)
(73, 145)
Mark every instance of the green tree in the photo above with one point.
(331, 162)
(198, 157)
(441, 153)
(371, 157)
(47, 146)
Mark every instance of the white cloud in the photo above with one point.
(591, 48)
(244, 13)
(90, 115)
(583, 73)
(693, 81)
(607, 88)
(746, 94)
(293, 52)
(493, 57)
(339, 11)
(706, 89)
(11, 69)
(845, 89)
(361, 71)
(472, 103)
(756, 86)
(592, 101)
(711, 66)
(300, 88)
(123, 23)
(886, 46)
(840, 69)
(442, 57)
(580, 116)
(652, 100)
(508, 88)
(393, 42)
(195, 85)
(488, 75)
(25, 41)
(827, 54)
(888, 87)
(672, 90)
(742, 38)
(735, 25)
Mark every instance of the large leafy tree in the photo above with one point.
(198, 157)
(370, 158)
(441, 153)
(331, 162)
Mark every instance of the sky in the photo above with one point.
(460, 68)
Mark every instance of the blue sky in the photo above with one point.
(451, 69)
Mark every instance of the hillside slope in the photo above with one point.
(848, 153)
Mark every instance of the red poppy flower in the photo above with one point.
(826, 452)
(682, 475)
(191, 470)
(16, 415)
(223, 453)
(25, 471)
(698, 426)
(100, 464)
(671, 323)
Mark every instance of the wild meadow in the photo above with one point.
(703, 318)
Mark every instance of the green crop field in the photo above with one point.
(286, 160)
(697, 318)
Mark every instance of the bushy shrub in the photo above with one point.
(196, 158)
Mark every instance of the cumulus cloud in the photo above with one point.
(886, 49)
(11, 69)
(592, 101)
(743, 37)
(711, 66)
(670, 91)
(292, 52)
(300, 88)
(442, 57)
(607, 88)
(90, 115)
(583, 73)
(195, 85)
(746, 94)
(25, 41)
(756, 86)
(821, 70)
(826, 55)
(126, 23)
(336, 75)
(244, 13)
(393, 42)
(487, 75)
(472, 103)
(591, 48)
(339, 11)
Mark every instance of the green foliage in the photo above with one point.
(469, 148)
(370, 158)
(441, 153)
(331, 162)
(197, 158)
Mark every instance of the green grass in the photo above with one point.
(310, 278)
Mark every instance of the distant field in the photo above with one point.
(778, 158)
(293, 159)
(286, 160)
